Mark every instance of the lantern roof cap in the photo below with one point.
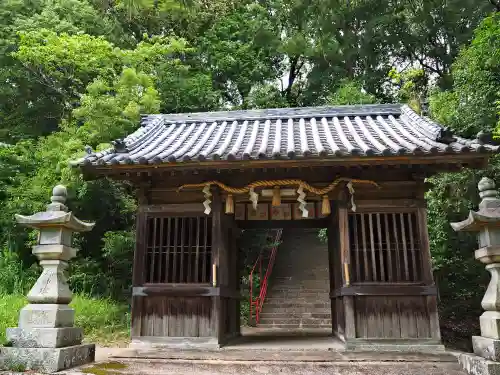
(488, 214)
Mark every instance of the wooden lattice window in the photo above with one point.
(179, 249)
(385, 247)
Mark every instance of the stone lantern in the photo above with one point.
(45, 338)
(486, 222)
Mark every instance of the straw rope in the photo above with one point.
(273, 183)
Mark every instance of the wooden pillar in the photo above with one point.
(139, 257)
(345, 256)
(217, 278)
(427, 274)
(225, 305)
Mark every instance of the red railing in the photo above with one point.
(257, 302)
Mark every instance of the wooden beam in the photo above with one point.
(404, 160)
(306, 223)
(181, 209)
(385, 290)
(184, 290)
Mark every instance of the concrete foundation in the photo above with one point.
(402, 346)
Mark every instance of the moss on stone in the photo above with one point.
(106, 368)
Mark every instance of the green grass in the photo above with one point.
(104, 321)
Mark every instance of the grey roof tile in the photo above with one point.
(325, 132)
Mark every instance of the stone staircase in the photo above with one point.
(298, 294)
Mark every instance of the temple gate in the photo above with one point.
(358, 171)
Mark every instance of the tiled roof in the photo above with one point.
(318, 132)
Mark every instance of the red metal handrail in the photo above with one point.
(258, 302)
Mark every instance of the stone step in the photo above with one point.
(269, 362)
(299, 288)
(293, 326)
(302, 309)
(295, 314)
(298, 322)
(290, 302)
(299, 294)
(283, 303)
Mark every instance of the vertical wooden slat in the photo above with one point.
(190, 250)
(344, 244)
(161, 251)
(174, 250)
(365, 249)
(153, 253)
(432, 310)
(412, 248)
(380, 249)
(137, 312)
(372, 326)
(388, 247)
(396, 245)
(405, 247)
(393, 306)
(167, 250)
(204, 260)
(197, 275)
(181, 254)
(372, 243)
(426, 263)
(331, 267)
(356, 246)
(349, 315)
(387, 317)
(404, 317)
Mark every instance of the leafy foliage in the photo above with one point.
(469, 107)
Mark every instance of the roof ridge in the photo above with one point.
(275, 113)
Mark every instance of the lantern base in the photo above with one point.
(476, 365)
(46, 360)
(486, 347)
(44, 337)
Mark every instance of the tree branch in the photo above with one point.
(496, 4)
(295, 67)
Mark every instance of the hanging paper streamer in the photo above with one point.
(254, 198)
(206, 203)
(351, 191)
(302, 201)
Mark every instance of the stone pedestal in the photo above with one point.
(476, 365)
(486, 221)
(45, 339)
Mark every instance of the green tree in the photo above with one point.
(469, 108)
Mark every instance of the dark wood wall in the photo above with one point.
(381, 283)
(384, 289)
(185, 280)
